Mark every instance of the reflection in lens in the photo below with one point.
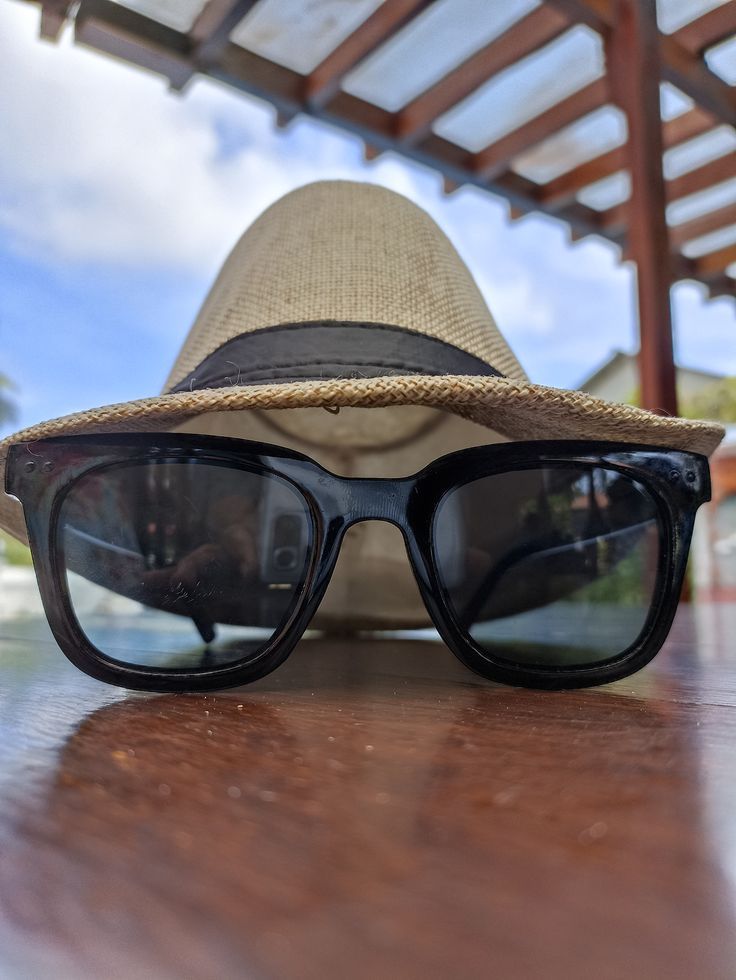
(550, 567)
(183, 564)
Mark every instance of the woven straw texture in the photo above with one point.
(337, 250)
(516, 409)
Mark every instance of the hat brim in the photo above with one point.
(515, 409)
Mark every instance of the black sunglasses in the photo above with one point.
(188, 563)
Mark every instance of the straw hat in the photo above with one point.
(347, 296)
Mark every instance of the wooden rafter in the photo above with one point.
(678, 65)
(206, 48)
(701, 178)
(722, 285)
(324, 80)
(712, 27)
(713, 264)
(131, 36)
(561, 190)
(596, 14)
(538, 28)
(704, 224)
(695, 79)
(54, 14)
(212, 28)
(494, 159)
(693, 182)
(109, 26)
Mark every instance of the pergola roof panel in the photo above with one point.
(698, 247)
(517, 98)
(696, 152)
(675, 14)
(179, 14)
(299, 34)
(434, 43)
(608, 192)
(599, 131)
(525, 90)
(721, 59)
(673, 102)
(695, 205)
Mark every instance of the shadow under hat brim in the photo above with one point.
(516, 410)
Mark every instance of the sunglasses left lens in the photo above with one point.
(183, 564)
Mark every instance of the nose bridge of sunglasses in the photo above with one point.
(375, 500)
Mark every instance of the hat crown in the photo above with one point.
(346, 252)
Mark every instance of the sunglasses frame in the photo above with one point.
(41, 473)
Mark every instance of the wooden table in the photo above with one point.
(371, 810)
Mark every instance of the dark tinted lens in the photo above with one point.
(550, 567)
(183, 564)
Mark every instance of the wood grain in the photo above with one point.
(371, 810)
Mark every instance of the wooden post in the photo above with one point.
(633, 56)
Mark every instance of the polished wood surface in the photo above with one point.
(371, 810)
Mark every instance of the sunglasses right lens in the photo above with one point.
(550, 567)
(183, 564)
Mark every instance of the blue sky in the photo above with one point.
(119, 200)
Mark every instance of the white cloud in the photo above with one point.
(115, 168)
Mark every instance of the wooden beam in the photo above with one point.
(677, 64)
(596, 14)
(141, 40)
(701, 178)
(121, 31)
(714, 263)
(521, 193)
(721, 286)
(704, 224)
(386, 21)
(212, 28)
(716, 282)
(687, 126)
(124, 33)
(54, 14)
(703, 33)
(494, 159)
(693, 182)
(561, 190)
(633, 59)
(695, 79)
(536, 29)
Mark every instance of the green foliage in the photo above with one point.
(716, 401)
(14, 552)
(624, 585)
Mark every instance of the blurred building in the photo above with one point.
(617, 380)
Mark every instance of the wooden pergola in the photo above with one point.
(639, 57)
